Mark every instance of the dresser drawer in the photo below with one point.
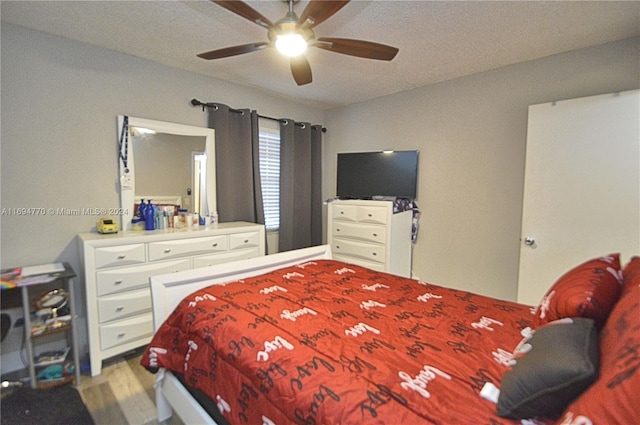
(121, 305)
(345, 212)
(126, 330)
(121, 255)
(126, 278)
(367, 233)
(370, 214)
(370, 252)
(225, 257)
(245, 240)
(182, 247)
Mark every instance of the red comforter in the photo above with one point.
(332, 343)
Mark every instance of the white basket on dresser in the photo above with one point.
(117, 269)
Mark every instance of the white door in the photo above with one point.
(581, 188)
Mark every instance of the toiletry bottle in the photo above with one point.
(148, 216)
(157, 219)
(141, 208)
(182, 214)
(169, 213)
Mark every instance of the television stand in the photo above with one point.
(368, 233)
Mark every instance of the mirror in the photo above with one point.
(169, 169)
(167, 163)
(53, 300)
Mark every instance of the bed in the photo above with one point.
(300, 338)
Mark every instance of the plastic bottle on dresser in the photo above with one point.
(149, 217)
(141, 208)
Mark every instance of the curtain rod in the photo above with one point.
(196, 102)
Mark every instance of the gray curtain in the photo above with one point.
(300, 185)
(237, 163)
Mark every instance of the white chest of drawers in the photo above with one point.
(369, 234)
(117, 269)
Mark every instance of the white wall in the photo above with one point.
(471, 133)
(60, 100)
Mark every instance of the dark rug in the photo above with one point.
(60, 405)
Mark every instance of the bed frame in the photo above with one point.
(168, 290)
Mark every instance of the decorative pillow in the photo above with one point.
(631, 273)
(588, 290)
(560, 361)
(615, 396)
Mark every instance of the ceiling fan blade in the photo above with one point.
(301, 70)
(246, 11)
(318, 11)
(233, 51)
(359, 48)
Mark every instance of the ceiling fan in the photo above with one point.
(292, 34)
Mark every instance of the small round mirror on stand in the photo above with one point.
(54, 299)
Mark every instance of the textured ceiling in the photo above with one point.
(438, 40)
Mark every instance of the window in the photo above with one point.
(270, 174)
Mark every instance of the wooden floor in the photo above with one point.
(122, 394)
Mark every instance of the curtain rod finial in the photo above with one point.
(196, 102)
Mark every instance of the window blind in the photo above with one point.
(270, 176)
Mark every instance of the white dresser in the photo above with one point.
(369, 234)
(117, 268)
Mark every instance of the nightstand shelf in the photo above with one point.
(29, 287)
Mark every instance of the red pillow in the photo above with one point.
(589, 290)
(615, 397)
(631, 273)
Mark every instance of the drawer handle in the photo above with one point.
(375, 234)
(168, 250)
(246, 241)
(119, 309)
(337, 246)
(118, 282)
(121, 257)
(375, 253)
(338, 229)
(121, 334)
(341, 212)
(215, 244)
(370, 215)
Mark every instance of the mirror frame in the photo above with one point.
(127, 194)
(47, 296)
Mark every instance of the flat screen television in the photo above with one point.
(370, 175)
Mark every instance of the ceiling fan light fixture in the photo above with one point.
(292, 34)
(291, 44)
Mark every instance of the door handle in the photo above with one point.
(530, 241)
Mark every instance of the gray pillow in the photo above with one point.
(562, 362)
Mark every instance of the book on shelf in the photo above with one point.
(9, 278)
(29, 275)
(51, 357)
(42, 269)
